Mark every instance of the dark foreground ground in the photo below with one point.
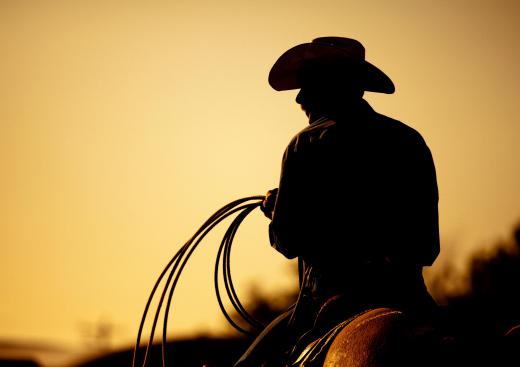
(191, 352)
(203, 351)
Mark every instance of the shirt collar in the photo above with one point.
(358, 109)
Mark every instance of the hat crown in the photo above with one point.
(350, 46)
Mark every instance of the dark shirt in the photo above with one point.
(357, 186)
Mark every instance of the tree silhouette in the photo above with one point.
(493, 285)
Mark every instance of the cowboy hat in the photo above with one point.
(326, 52)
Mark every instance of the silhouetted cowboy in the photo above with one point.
(357, 200)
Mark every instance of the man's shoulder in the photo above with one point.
(319, 131)
(394, 127)
(376, 127)
(317, 127)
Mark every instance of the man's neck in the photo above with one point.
(345, 109)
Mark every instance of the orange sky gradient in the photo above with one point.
(125, 124)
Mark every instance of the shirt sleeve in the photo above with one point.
(283, 226)
(292, 229)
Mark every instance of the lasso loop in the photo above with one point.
(176, 265)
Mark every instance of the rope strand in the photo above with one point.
(176, 265)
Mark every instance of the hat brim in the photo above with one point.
(286, 72)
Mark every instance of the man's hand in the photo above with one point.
(268, 203)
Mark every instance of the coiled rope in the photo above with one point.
(176, 265)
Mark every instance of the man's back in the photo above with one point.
(358, 186)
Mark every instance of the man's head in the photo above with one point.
(330, 87)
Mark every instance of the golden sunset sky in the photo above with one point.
(125, 124)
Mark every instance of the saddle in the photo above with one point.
(374, 337)
(388, 337)
(378, 337)
(281, 345)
